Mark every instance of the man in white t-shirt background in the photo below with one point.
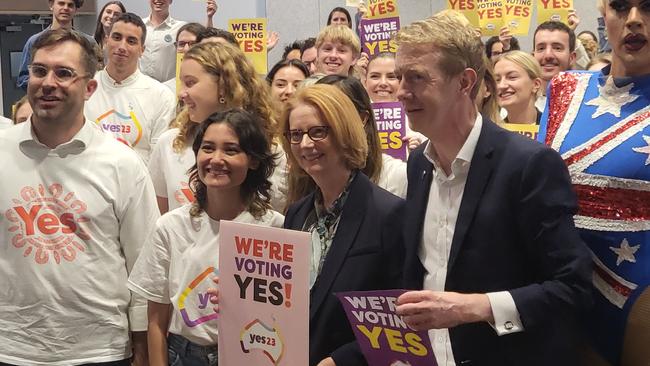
(133, 107)
(76, 207)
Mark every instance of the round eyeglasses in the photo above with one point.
(61, 74)
(315, 133)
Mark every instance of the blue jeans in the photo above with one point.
(182, 352)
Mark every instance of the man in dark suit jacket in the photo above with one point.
(489, 234)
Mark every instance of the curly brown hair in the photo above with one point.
(238, 85)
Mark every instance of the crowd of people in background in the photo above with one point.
(118, 170)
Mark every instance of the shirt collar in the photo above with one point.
(464, 157)
(81, 140)
(108, 80)
(169, 21)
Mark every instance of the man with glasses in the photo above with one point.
(63, 12)
(76, 206)
(133, 107)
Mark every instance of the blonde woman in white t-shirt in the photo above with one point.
(214, 77)
(230, 181)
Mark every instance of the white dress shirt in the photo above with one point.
(5, 122)
(445, 197)
(159, 57)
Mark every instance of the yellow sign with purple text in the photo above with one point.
(251, 34)
(490, 16)
(179, 60)
(516, 15)
(556, 10)
(378, 9)
(465, 7)
(529, 130)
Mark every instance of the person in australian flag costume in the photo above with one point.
(600, 123)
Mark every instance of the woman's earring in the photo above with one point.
(222, 100)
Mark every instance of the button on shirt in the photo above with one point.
(445, 197)
(159, 57)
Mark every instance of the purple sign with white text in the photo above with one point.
(383, 337)
(391, 127)
(376, 35)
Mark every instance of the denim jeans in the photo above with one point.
(182, 352)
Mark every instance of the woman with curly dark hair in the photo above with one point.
(230, 180)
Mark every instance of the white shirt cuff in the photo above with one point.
(138, 318)
(505, 313)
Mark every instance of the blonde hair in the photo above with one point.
(345, 131)
(600, 58)
(16, 107)
(591, 47)
(238, 84)
(523, 60)
(341, 34)
(452, 38)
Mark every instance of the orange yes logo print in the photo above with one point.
(48, 222)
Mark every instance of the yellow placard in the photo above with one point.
(251, 34)
(465, 7)
(378, 9)
(527, 129)
(516, 15)
(179, 60)
(490, 16)
(557, 10)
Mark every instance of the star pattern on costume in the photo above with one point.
(644, 149)
(611, 98)
(625, 252)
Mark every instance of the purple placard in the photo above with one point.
(376, 35)
(384, 338)
(391, 126)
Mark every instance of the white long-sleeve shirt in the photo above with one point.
(136, 111)
(445, 197)
(73, 220)
(393, 176)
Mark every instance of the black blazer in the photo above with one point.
(514, 232)
(366, 254)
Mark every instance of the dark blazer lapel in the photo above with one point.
(477, 179)
(301, 213)
(346, 233)
(417, 200)
(421, 192)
